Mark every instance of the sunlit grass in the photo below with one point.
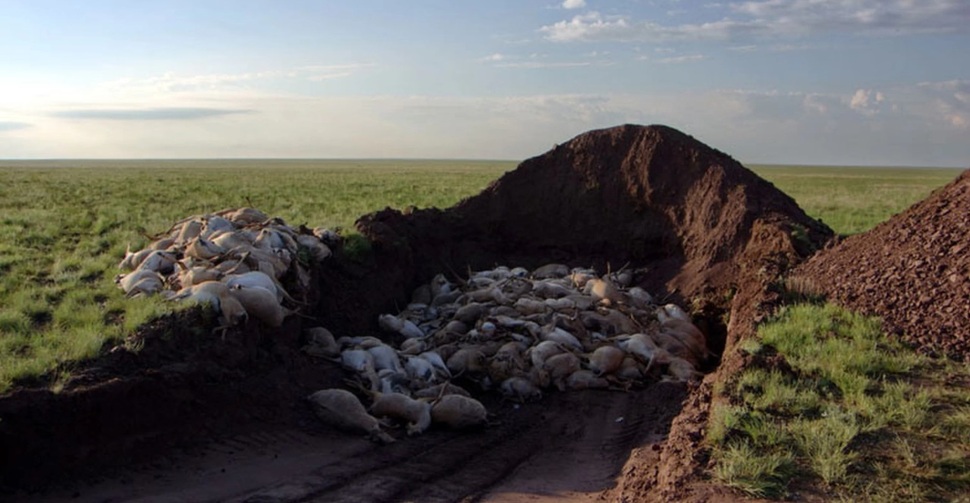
(868, 419)
(64, 226)
(754, 471)
(825, 442)
(852, 199)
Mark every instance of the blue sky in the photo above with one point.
(879, 82)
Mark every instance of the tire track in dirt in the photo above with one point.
(568, 446)
(584, 457)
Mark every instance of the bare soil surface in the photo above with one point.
(570, 446)
(913, 271)
(162, 423)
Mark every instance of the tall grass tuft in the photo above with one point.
(825, 443)
(755, 472)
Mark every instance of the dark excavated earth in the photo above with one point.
(192, 417)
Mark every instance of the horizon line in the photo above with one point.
(419, 159)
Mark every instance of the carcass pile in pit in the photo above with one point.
(518, 332)
(233, 260)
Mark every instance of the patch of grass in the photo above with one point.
(724, 420)
(356, 247)
(140, 310)
(753, 471)
(840, 346)
(773, 392)
(957, 424)
(866, 418)
(852, 199)
(825, 443)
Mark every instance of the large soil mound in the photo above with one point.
(913, 271)
(697, 226)
(691, 218)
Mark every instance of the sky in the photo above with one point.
(842, 82)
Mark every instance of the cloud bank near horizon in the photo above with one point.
(768, 81)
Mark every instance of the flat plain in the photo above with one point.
(66, 224)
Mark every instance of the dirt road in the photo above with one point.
(569, 446)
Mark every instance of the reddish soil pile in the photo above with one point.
(692, 223)
(913, 271)
(691, 219)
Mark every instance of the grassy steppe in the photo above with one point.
(64, 226)
(850, 199)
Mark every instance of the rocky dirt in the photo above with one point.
(913, 271)
(697, 227)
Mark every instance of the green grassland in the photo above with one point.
(831, 402)
(853, 199)
(64, 226)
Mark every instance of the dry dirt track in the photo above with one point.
(570, 446)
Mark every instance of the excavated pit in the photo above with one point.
(700, 230)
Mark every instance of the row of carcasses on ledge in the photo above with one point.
(514, 330)
(233, 260)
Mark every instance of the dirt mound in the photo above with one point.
(689, 217)
(913, 271)
(691, 222)
(695, 224)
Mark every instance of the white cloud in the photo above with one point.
(867, 102)
(816, 103)
(777, 18)
(949, 102)
(573, 4)
(539, 60)
(880, 16)
(12, 126)
(771, 48)
(145, 114)
(590, 26)
(682, 59)
(170, 82)
(319, 73)
(544, 64)
(593, 26)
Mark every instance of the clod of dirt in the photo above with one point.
(913, 271)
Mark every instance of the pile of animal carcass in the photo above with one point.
(233, 260)
(511, 330)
